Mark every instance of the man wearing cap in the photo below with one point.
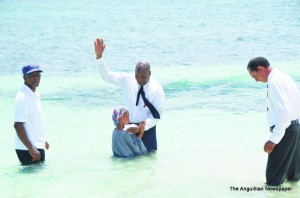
(283, 111)
(30, 141)
(144, 96)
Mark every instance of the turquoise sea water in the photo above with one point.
(214, 126)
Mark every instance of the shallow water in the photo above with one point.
(214, 125)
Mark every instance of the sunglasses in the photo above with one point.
(33, 75)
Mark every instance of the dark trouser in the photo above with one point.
(149, 139)
(26, 159)
(284, 160)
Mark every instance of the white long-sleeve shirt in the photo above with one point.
(153, 92)
(283, 103)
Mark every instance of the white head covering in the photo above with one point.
(118, 113)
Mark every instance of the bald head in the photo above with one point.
(142, 65)
(142, 72)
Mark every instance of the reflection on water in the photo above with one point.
(33, 168)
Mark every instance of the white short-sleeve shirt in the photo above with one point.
(28, 110)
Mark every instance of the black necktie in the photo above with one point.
(147, 103)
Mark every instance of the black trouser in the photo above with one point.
(149, 139)
(284, 160)
(26, 159)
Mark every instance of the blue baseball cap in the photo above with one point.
(27, 69)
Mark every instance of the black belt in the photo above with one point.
(293, 122)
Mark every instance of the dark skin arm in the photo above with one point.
(142, 129)
(99, 47)
(138, 129)
(133, 129)
(35, 154)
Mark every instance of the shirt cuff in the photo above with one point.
(276, 136)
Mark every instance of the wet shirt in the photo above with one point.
(126, 144)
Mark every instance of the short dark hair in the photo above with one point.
(142, 65)
(258, 61)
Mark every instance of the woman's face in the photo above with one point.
(125, 118)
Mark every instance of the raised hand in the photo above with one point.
(99, 47)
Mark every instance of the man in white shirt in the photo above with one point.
(283, 110)
(144, 96)
(30, 139)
